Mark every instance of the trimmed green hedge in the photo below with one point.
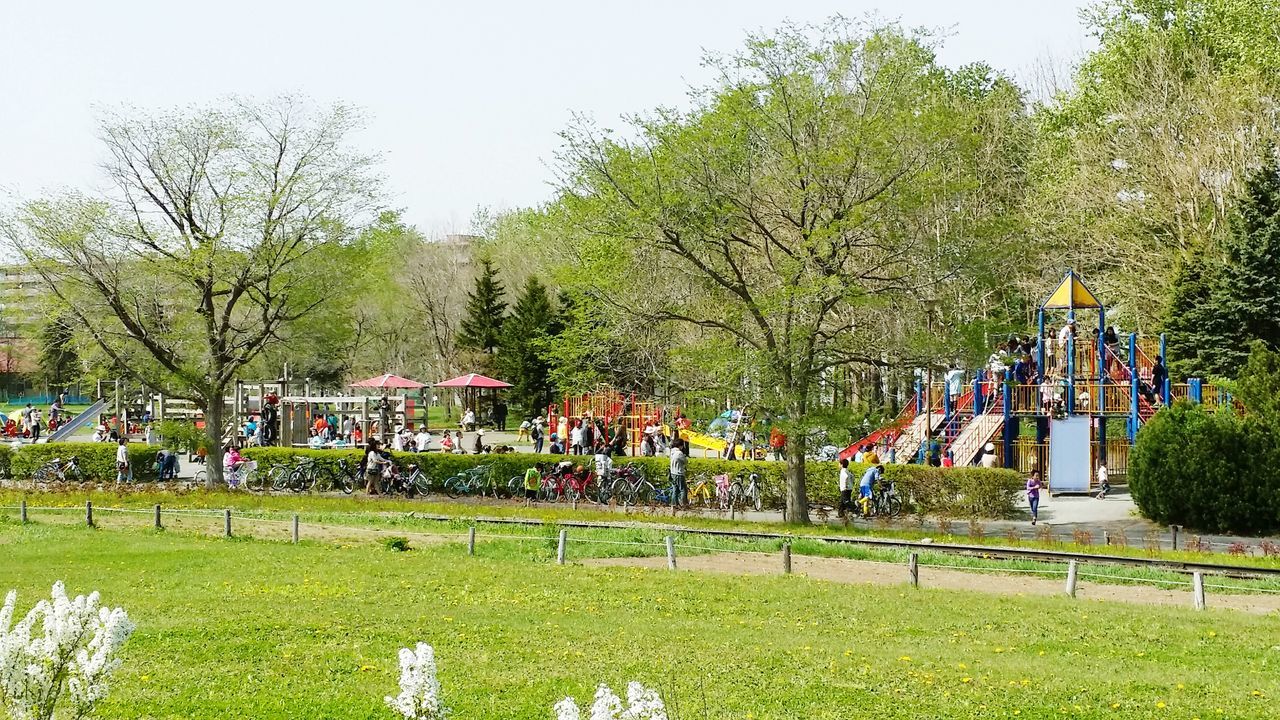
(954, 492)
(97, 461)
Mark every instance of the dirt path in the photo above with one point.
(875, 573)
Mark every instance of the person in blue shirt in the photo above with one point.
(867, 486)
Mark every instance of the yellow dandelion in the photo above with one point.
(966, 679)
(1160, 705)
(905, 658)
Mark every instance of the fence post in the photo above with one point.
(226, 522)
(913, 569)
(88, 513)
(157, 511)
(786, 558)
(22, 511)
(295, 528)
(671, 553)
(1197, 583)
(471, 540)
(564, 539)
(1174, 529)
(1106, 537)
(1071, 578)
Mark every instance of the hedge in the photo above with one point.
(97, 461)
(952, 492)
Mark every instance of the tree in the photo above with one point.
(225, 228)
(481, 329)
(1220, 309)
(819, 185)
(526, 334)
(59, 361)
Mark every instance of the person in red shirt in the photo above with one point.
(778, 441)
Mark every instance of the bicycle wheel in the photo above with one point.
(421, 484)
(452, 486)
(619, 492)
(754, 497)
(893, 506)
(515, 486)
(255, 481)
(200, 478)
(643, 493)
(297, 480)
(278, 477)
(736, 495)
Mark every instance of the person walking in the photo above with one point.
(536, 435)
(374, 464)
(37, 423)
(679, 462)
(124, 472)
(1104, 481)
(1033, 495)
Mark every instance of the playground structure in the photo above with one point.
(633, 415)
(1079, 388)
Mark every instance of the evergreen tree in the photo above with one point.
(1218, 310)
(523, 359)
(481, 329)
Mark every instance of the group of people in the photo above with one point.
(31, 422)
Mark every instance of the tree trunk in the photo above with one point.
(213, 414)
(797, 497)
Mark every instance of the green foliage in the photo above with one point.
(1219, 309)
(481, 329)
(97, 461)
(6, 461)
(59, 362)
(182, 435)
(527, 336)
(396, 543)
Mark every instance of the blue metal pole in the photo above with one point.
(1133, 409)
(1164, 356)
(1040, 343)
(979, 398)
(1102, 346)
(1009, 427)
(919, 399)
(1195, 389)
(1071, 374)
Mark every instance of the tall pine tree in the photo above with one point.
(481, 329)
(1219, 310)
(523, 359)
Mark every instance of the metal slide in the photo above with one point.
(71, 426)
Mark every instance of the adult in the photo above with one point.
(478, 448)
(955, 383)
(604, 464)
(384, 415)
(26, 417)
(988, 456)
(469, 420)
(36, 424)
(1065, 335)
(575, 439)
(422, 441)
(588, 433)
(374, 464)
(522, 434)
(870, 456)
(314, 441)
(1033, 495)
(866, 487)
(500, 416)
(1159, 378)
(348, 427)
(778, 441)
(536, 435)
(124, 471)
(562, 428)
(846, 488)
(679, 463)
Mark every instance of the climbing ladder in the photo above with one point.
(968, 444)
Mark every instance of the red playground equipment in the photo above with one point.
(612, 407)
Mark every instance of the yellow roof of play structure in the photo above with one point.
(1071, 294)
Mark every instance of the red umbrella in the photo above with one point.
(473, 380)
(389, 381)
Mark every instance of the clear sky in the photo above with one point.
(463, 98)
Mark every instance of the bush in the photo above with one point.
(957, 492)
(182, 435)
(6, 461)
(1210, 472)
(97, 461)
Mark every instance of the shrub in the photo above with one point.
(1210, 472)
(97, 461)
(958, 492)
(396, 543)
(6, 461)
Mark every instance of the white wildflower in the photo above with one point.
(73, 653)
(1119, 164)
(1136, 197)
(419, 697)
(642, 704)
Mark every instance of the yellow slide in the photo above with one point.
(704, 441)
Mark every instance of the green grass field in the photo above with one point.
(256, 629)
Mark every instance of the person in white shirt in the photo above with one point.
(397, 441)
(124, 472)
(1104, 483)
(604, 464)
(988, 456)
(422, 440)
(1067, 332)
(846, 488)
(575, 439)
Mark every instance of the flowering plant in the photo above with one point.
(642, 704)
(62, 647)
(419, 697)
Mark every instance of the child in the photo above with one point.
(557, 448)
(1033, 495)
(446, 444)
(532, 481)
(1104, 483)
(523, 434)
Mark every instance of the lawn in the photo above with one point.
(255, 629)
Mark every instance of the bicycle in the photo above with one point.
(630, 486)
(343, 477)
(57, 471)
(885, 503)
(477, 480)
(746, 496)
(702, 491)
(245, 476)
(414, 483)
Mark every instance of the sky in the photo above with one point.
(463, 100)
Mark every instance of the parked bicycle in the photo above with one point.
(244, 476)
(885, 502)
(630, 486)
(409, 482)
(478, 480)
(58, 470)
(746, 495)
